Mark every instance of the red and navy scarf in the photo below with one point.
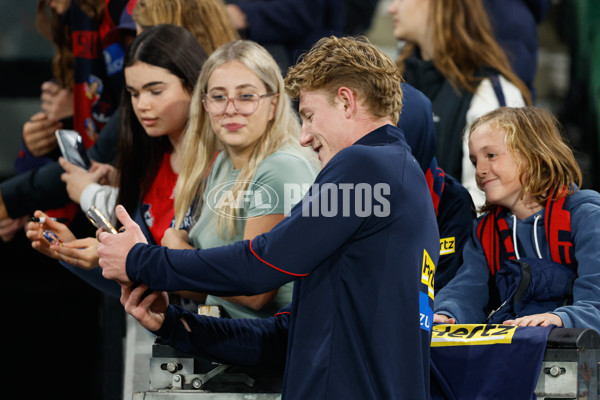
(497, 242)
(98, 50)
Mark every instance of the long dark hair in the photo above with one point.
(176, 50)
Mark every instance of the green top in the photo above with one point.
(279, 183)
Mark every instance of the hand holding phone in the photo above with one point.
(72, 148)
(99, 220)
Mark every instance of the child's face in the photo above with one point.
(497, 171)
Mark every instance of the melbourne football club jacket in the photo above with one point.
(361, 247)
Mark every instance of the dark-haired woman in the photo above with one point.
(159, 82)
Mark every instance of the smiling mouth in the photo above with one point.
(483, 184)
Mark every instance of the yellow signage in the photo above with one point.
(427, 273)
(471, 334)
(447, 246)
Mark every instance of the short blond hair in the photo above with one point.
(355, 63)
(535, 139)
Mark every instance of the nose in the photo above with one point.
(306, 137)
(481, 168)
(143, 102)
(232, 110)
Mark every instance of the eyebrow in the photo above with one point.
(147, 85)
(242, 86)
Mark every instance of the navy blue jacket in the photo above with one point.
(467, 297)
(360, 319)
(455, 209)
(514, 23)
(296, 25)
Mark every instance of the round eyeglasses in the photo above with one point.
(245, 104)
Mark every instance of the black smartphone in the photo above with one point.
(99, 220)
(72, 148)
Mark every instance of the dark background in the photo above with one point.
(62, 338)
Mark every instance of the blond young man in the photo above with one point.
(361, 247)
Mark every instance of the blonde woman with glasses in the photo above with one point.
(241, 112)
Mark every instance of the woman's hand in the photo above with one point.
(176, 239)
(34, 232)
(77, 178)
(545, 319)
(81, 253)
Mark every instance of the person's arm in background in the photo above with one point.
(43, 188)
(584, 312)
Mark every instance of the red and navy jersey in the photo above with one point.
(158, 203)
(363, 280)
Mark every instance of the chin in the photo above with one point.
(495, 201)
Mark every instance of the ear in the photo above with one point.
(347, 101)
(273, 106)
